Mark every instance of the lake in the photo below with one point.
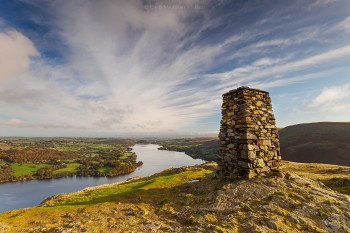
(31, 193)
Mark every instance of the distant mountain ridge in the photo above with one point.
(321, 142)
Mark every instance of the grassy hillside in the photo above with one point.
(191, 199)
(324, 142)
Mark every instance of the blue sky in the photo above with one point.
(159, 67)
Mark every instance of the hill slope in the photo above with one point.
(324, 142)
(190, 199)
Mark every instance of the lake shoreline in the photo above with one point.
(23, 194)
(62, 177)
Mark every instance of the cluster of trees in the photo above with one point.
(6, 173)
(34, 155)
(123, 169)
(47, 172)
(118, 169)
(113, 167)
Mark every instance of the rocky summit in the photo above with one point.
(191, 199)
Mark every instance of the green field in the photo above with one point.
(71, 168)
(21, 169)
(147, 185)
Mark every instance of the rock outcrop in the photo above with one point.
(249, 144)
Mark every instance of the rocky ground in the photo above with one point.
(191, 199)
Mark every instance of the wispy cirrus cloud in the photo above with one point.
(343, 25)
(124, 69)
(129, 67)
(263, 70)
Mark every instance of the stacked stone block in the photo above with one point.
(249, 144)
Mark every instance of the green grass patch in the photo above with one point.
(21, 169)
(91, 155)
(71, 167)
(69, 161)
(113, 192)
(104, 169)
(101, 146)
(333, 176)
(2, 162)
(125, 155)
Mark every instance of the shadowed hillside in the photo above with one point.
(324, 142)
(203, 148)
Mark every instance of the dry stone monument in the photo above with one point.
(249, 143)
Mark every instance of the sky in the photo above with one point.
(112, 68)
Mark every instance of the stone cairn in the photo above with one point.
(249, 144)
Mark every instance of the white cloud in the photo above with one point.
(129, 65)
(318, 3)
(17, 123)
(334, 99)
(344, 25)
(275, 42)
(15, 53)
(285, 81)
(132, 68)
(282, 66)
(266, 61)
(138, 62)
